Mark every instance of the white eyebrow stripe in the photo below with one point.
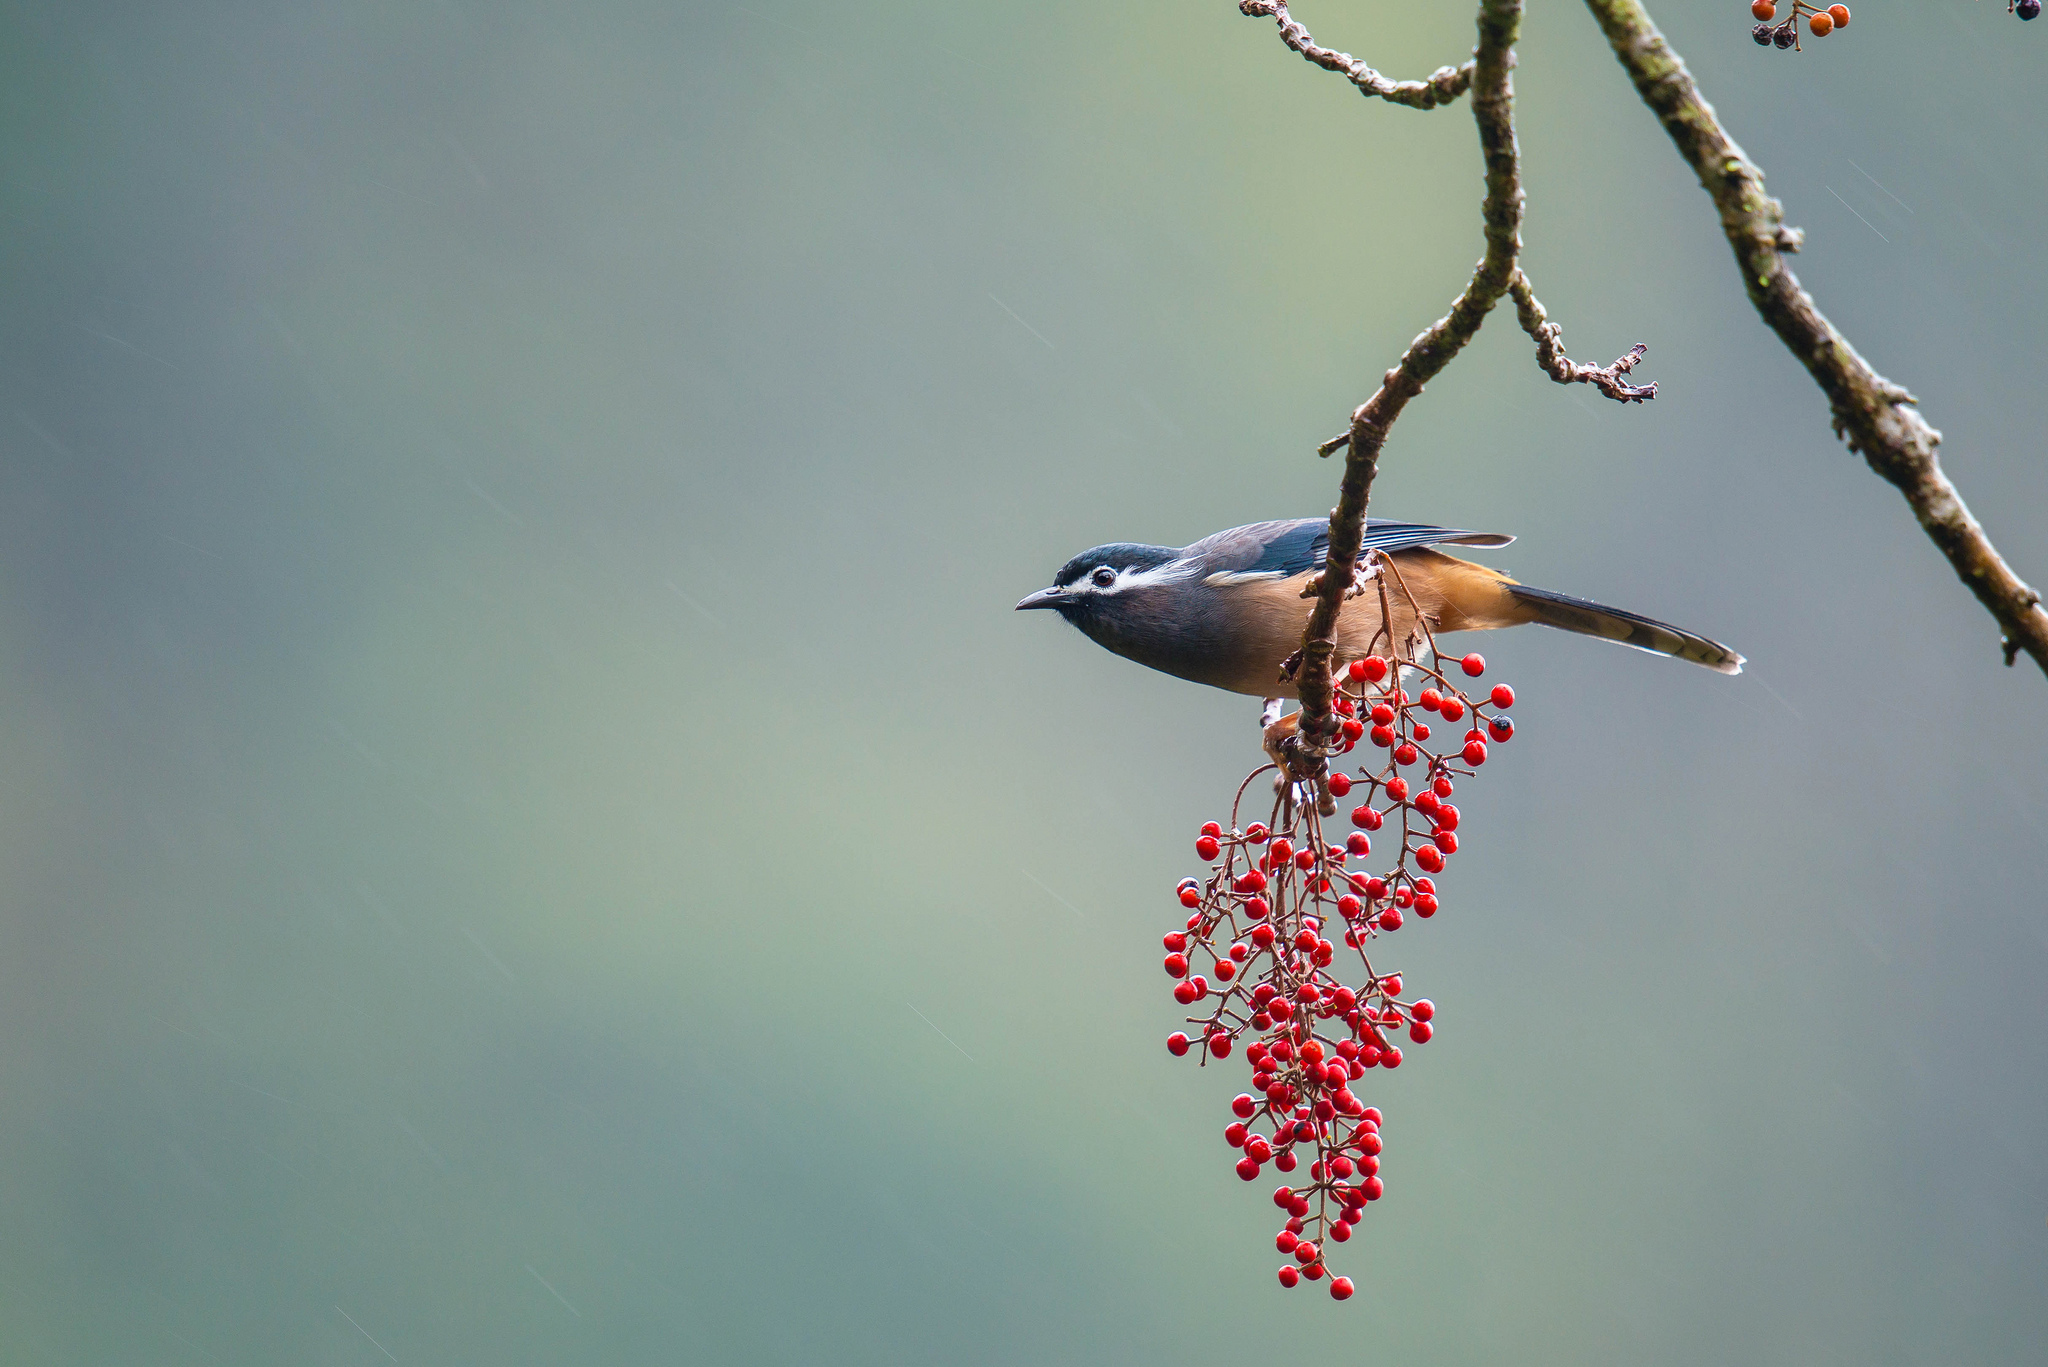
(1173, 571)
(1224, 579)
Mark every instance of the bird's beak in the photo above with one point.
(1044, 598)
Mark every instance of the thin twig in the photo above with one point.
(1560, 367)
(1445, 84)
(1873, 415)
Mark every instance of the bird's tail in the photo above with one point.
(1630, 629)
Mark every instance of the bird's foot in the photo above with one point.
(1303, 775)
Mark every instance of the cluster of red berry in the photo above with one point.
(1820, 22)
(1259, 930)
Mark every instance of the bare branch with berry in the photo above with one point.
(1820, 22)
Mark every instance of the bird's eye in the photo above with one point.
(1104, 576)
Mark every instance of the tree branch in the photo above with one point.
(1551, 359)
(1493, 110)
(1445, 84)
(1873, 415)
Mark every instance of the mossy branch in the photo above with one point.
(1876, 417)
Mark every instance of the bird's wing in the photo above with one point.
(1287, 548)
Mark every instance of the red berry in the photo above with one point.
(1372, 1113)
(1430, 858)
(1177, 965)
(1382, 715)
(1340, 1287)
(1340, 785)
(1190, 897)
(1405, 754)
(1397, 788)
(1453, 709)
(1442, 786)
(1375, 668)
(1176, 1044)
(1262, 936)
(1282, 851)
(1352, 728)
(1184, 992)
(1390, 1057)
(1390, 919)
(1208, 847)
(1382, 736)
(1423, 1010)
(1243, 1107)
(1305, 1252)
(1219, 1043)
(1370, 1143)
(1348, 907)
(1445, 841)
(1475, 753)
(1256, 908)
(1474, 664)
(1500, 728)
(1357, 844)
(1431, 700)
(1356, 669)
(1234, 1133)
(1248, 1170)
(1340, 1232)
(1283, 1196)
(1289, 1277)
(1374, 1188)
(1176, 941)
(1285, 1241)
(1420, 1032)
(1447, 817)
(1503, 696)
(1391, 984)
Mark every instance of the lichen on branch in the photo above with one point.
(1445, 84)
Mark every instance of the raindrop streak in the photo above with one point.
(1021, 323)
(556, 1294)
(364, 1332)
(1859, 217)
(1055, 896)
(1874, 181)
(942, 1034)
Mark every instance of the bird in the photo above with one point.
(1228, 611)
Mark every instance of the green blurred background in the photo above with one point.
(531, 833)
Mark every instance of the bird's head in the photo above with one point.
(1103, 584)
